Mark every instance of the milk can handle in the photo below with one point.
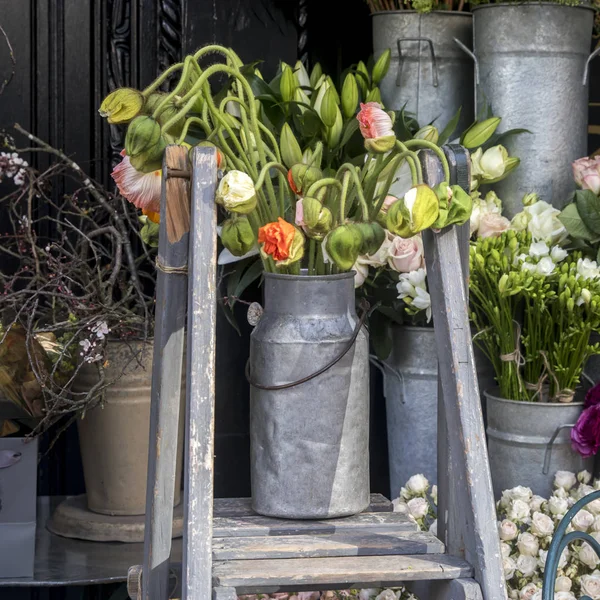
(548, 454)
(586, 71)
(384, 368)
(433, 58)
(470, 53)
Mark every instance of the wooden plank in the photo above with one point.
(265, 526)
(469, 459)
(360, 543)
(346, 572)
(200, 417)
(171, 296)
(242, 507)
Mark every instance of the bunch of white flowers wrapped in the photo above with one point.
(526, 523)
(418, 500)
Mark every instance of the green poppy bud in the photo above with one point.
(375, 96)
(122, 105)
(349, 96)
(444, 195)
(373, 235)
(429, 133)
(287, 83)
(167, 112)
(380, 145)
(343, 246)
(479, 133)
(144, 144)
(149, 231)
(329, 108)
(362, 78)
(461, 206)
(237, 236)
(397, 220)
(381, 66)
(291, 153)
(301, 177)
(315, 218)
(418, 210)
(315, 75)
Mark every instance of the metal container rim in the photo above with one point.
(552, 405)
(301, 277)
(530, 3)
(415, 327)
(450, 13)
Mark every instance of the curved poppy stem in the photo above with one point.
(435, 148)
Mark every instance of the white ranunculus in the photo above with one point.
(528, 591)
(536, 503)
(545, 267)
(558, 254)
(505, 549)
(565, 480)
(558, 506)
(509, 566)
(528, 544)
(563, 584)
(236, 192)
(526, 565)
(541, 525)
(590, 585)
(418, 507)
(588, 269)
(583, 520)
(544, 224)
(507, 530)
(519, 511)
(539, 249)
(417, 484)
(588, 556)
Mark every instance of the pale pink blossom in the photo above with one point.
(406, 254)
(141, 189)
(586, 172)
(492, 225)
(373, 121)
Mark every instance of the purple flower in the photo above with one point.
(585, 436)
(593, 396)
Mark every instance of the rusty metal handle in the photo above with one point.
(586, 71)
(433, 58)
(548, 453)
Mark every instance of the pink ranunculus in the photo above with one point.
(592, 396)
(373, 121)
(141, 189)
(492, 225)
(586, 172)
(585, 436)
(406, 254)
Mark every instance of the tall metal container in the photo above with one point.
(532, 62)
(309, 442)
(429, 74)
(529, 441)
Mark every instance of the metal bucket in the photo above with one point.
(410, 378)
(429, 74)
(309, 442)
(529, 441)
(532, 63)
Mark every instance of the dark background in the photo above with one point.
(70, 53)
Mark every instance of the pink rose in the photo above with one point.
(373, 121)
(586, 172)
(492, 225)
(406, 254)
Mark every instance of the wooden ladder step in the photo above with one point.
(359, 543)
(251, 576)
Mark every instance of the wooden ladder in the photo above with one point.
(229, 550)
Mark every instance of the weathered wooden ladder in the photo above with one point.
(227, 549)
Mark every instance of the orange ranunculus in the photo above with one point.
(153, 216)
(277, 238)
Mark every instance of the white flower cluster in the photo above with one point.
(13, 167)
(400, 593)
(412, 288)
(418, 500)
(541, 220)
(541, 259)
(88, 346)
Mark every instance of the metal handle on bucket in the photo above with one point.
(384, 368)
(586, 71)
(433, 58)
(470, 53)
(548, 454)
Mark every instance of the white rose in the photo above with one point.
(507, 530)
(539, 249)
(528, 544)
(541, 525)
(596, 524)
(565, 480)
(386, 595)
(588, 556)
(536, 503)
(561, 493)
(520, 493)
(505, 549)
(236, 192)
(417, 484)
(418, 507)
(583, 520)
(526, 564)
(557, 253)
(588, 269)
(400, 506)
(590, 585)
(564, 596)
(519, 511)
(544, 224)
(545, 267)
(558, 506)
(528, 591)
(509, 566)
(563, 584)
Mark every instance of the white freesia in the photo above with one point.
(418, 507)
(584, 298)
(590, 585)
(413, 286)
(507, 530)
(565, 480)
(509, 566)
(417, 484)
(588, 556)
(544, 224)
(583, 520)
(539, 249)
(588, 269)
(563, 584)
(526, 565)
(541, 525)
(558, 506)
(558, 254)
(528, 591)
(545, 267)
(422, 301)
(528, 544)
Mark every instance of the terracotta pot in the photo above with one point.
(114, 437)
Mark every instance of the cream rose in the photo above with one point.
(563, 584)
(536, 503)
(583, 520)
(406, 254)
(509, 566)
(528, 544)
(519, 511)
(417, 484)
(541, 525)
(507, 530)
(565, 480)
(492, 225)
(588, 556)
(528, 591)
(418, 507)
(526, 565)
(558, 506)
(590, 585)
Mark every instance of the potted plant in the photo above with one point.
(430, 74)
(516, 45)
(309, 204)
(77, 312)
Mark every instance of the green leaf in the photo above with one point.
(498, 138)
(450, 128)
(254, 271)
(588, 206)
(575, 227)
(349, 130)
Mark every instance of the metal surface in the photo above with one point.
(429, 74)
(518, 437)
(532, 59)
(309, 443)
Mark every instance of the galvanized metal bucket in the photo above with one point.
(309, 441)
(429, 74)
(529, 441)
(531, 64)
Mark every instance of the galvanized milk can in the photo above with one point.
(529, 441)
(429, 74)
(309, 439)
(531, 65)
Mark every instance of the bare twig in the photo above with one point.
(13, 62)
